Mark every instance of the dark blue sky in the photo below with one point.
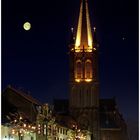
(37, 60)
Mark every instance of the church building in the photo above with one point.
(90, 112)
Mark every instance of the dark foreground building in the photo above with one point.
(111, 123)
(17, 101)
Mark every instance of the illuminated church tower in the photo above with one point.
(84, 82)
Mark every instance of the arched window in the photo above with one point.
(88, 69)
(78, 70)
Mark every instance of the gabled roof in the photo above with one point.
(107, 105)
(15, 101)
(22, 94)
(110, 117)
(108, 121)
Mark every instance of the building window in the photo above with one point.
(88, 69)
(78, 70)
(61, 130)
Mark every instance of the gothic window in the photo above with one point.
(88, 69)
(78, 69)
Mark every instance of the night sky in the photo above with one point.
(37, 60)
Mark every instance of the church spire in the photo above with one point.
(84, 34)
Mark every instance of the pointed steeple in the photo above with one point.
(84, 33)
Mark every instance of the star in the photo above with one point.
(123, 38)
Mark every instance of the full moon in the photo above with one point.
(27, 26)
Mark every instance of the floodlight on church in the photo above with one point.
(88, 80)
(78, 80)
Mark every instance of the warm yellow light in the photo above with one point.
(78, 36)
(77, 50)
(79, 130)
(20, 118)
(90, 40)
(88, 80)
(13, 131)
(78, 39)
(20, 131)
(29, 126)
(72, 49)
(89, 50)
(94, 49)
(77, 80)
(27, 26)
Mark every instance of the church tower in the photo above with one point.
(84, 82)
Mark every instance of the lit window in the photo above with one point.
(79, 70)
(88, 71)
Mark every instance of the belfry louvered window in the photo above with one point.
(88, 69)
(78, 69)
